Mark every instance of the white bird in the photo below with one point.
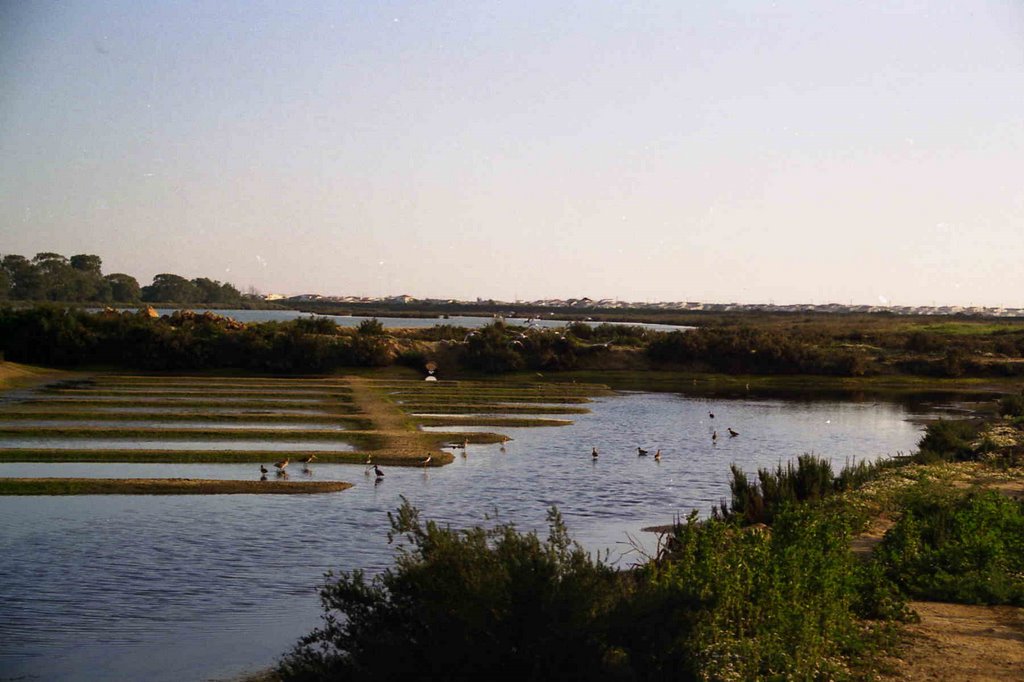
(427, 460)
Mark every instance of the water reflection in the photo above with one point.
(196, 444)
(171, 588)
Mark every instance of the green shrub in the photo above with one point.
(1012, 406)
(725, 603)
(952, 546)
(946, 440)
(460, 605)
(810, 480)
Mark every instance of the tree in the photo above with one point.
(5, 285)
(123, 288)
(212, 291)
(26, 280)
(84, 262)
(168, 288)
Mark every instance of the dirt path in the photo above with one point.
(401, 438)
(959, 643)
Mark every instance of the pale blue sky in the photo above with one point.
(729, 151)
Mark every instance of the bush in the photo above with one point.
(946, 440)
(1012, 406)
(950, 546)
(474, 604)
(811, 480)
(732, 604)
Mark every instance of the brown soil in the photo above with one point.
(959, 643)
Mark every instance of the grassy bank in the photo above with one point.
(161, 486)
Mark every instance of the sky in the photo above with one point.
(754, 152)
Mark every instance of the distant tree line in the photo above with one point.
(80, 279)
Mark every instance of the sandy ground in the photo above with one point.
(958, 643)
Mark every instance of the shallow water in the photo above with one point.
(404, 322)
(189, 588)
(209, 410)
(194, 444)
(184, 425)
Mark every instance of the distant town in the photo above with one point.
(679, 306)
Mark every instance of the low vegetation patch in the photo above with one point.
(957, 546)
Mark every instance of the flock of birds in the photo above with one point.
(281, 465)
(379, 473)
(640, 452)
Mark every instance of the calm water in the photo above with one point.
(191, 588)
(158, 424)
(403, 322)
(184, 445)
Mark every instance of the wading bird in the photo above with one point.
(593, 453)
(714, 436)
(711, 415)
(263, 469)
(307, 460)
(657, 456)
(282, 464)
(427, 460)
(376, 470)
(640, 452)
(732, 434)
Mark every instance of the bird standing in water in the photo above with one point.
(376, 470)
(427, 460)
(593, 453)
(263, 469)
(657, 456)
(640, 452)
(282, 464)
(714, 436)
(733, 434)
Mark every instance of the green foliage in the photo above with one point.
(474, 604)
(52, 277)
(952, 546)
(492, 349)
(946, 440)
(371, 327)
(745, 350)
(720, 603)
(123, 288)
(810, 480)
(725, 604)
(167, 287)
(52, 335)
(1012, 406)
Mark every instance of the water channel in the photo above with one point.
(206, 587)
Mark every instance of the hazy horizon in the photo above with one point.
(740, 152)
